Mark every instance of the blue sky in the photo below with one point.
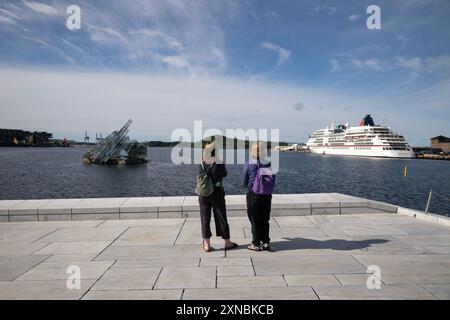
(292, 65)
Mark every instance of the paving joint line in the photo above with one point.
(157, 277)
(285, 281)
(420, 285)
(46, 245)
(315, 292)
(103, 221)
(46, 235)
(334, 275)
(179, 232)
(37, 264)
(253, 266)
(111, 243)
(276, 222)
(98, 279)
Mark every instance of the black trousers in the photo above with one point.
(258, 211)
(216, 202)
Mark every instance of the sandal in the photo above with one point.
(207, 250)
(254, 248)
(232, 246)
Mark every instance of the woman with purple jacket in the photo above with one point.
(259, 196)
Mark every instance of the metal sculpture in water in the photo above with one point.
(117, 148)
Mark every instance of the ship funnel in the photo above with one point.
(367, 121)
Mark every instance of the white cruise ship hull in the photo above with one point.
(362, 152)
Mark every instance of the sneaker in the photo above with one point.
(266, 246)
(254, 248)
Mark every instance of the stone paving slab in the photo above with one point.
(440, 291)
(392, 292)
(292, 222)
(162, 223)
(12, 267)
(145, 236)
(430, 239)
(357, 230)
(96, 216)
(229, 271)
(6, 205)
(94, 247)
(128, 279)
(83, 234)
(50, 224)
(291, 232)
(251, 282)
(98, 205)
(20, 248)
(71, 258)
(225, 262)
(171, 204)
(325, 255)
(312, 280)
(287, 247)
(156, 252)
(136, 205)
(29, 207)
(298, 293)
(192, 235)
(187, 277)
(41, 290)
(388, 245)
(58, 206)
(134, 295)
(312, 264)
(155, 263)
(16, 235)
(354, 279)
(58, 270)
(403, 269)
(179, 207)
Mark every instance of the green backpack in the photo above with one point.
(205, 185)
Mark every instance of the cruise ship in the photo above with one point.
(365, 140)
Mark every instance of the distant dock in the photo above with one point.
(433, 156)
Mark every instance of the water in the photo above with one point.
(38, 173)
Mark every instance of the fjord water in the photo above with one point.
(51, 173)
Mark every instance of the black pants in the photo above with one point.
(258, 210)
(216, 201)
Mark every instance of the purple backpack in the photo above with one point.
(264, 181)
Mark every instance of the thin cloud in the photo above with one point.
(329, 9)
(354, 17)
(283, 54)
(6, 20)
(176, 62)
(372, 64)
(270, 14)
(41, 8)
(440, 64)
(403, 40)
(335, 65)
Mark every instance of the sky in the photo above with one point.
(296, 66)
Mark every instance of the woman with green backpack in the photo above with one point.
(211, 195)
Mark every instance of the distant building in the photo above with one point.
(442, 143)
(14, 137)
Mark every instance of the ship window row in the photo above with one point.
(397, 148)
